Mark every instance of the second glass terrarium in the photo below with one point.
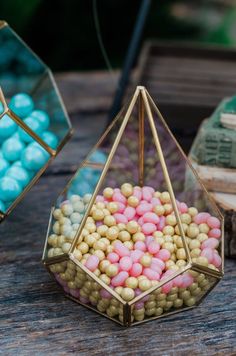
(34, 124)
(126, 237)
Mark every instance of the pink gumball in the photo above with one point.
(136, 255)
(136, 270)
(201, 218)
(92, 262)
(140, 245)
(210, 243)
(213, 222)
(129, 213)
(125, 263)
(163, 254)
(143, 208)
(148, 228)
(153, 247)
(208, 253)
(150, 217)
(120, 218)
(119, 279)
(216, 233)
(113, 257)
(151, 274)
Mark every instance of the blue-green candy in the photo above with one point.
(21, 104)
(10, 189)
(20, 174)
(7, 127)
(34, 157)
(4, 165)
(12, 149)
(42, 118)
(2, 207)
(50, 139)
(34, 125)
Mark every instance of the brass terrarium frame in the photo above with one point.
(52, 152)
(145, 104)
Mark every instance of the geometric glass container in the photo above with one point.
(127, 237)
(34, 124)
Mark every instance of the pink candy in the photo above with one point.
(153, 247)
(216, 260)
(183, 208)
(125, 263)
(121, 207)
(208, 253)
(151, 274)
(120, 218)
(147, 193)
(121, 249)
(113, 257)
(137, 193)
(163, 254)
(143, 208)
(213, 222)
(140, 245)
(136, 254)
(210, 243)
(136, 270)
(187, 280)
(119, 279)
(162, 222)
(129, 213)
(92, 262)
(155, 201)
(158, 262)
(148, 228)
(150, 217)
(118, 197)
(201, 218)
(215, 233)
(105, 294)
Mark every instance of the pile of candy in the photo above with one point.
(131, 241)
(21, 157)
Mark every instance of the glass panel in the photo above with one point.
(203, 222)
(31, 94)
(184, 291)
(20, 162)
(79, 285)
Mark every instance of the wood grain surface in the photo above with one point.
(36, 318)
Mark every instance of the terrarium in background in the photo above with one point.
(126, 237)
(34, 124)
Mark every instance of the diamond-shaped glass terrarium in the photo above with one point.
(126, 237)
(34, 124)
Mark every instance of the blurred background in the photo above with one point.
(63, 33)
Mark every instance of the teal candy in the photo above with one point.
(34, 157)
(1, 107)
(19, 164)
(50, 139)
(4, 165)
(1, 155)
(10, 189)
(34, 125)
(20, 174)
(7, 127)
(98, 157)
(2, 207)
(21, 104)
(12, 149)
(42, 117)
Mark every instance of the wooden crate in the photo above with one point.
(187, 82)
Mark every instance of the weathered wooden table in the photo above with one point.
(36, 319)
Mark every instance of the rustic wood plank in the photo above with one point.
(37, 319)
